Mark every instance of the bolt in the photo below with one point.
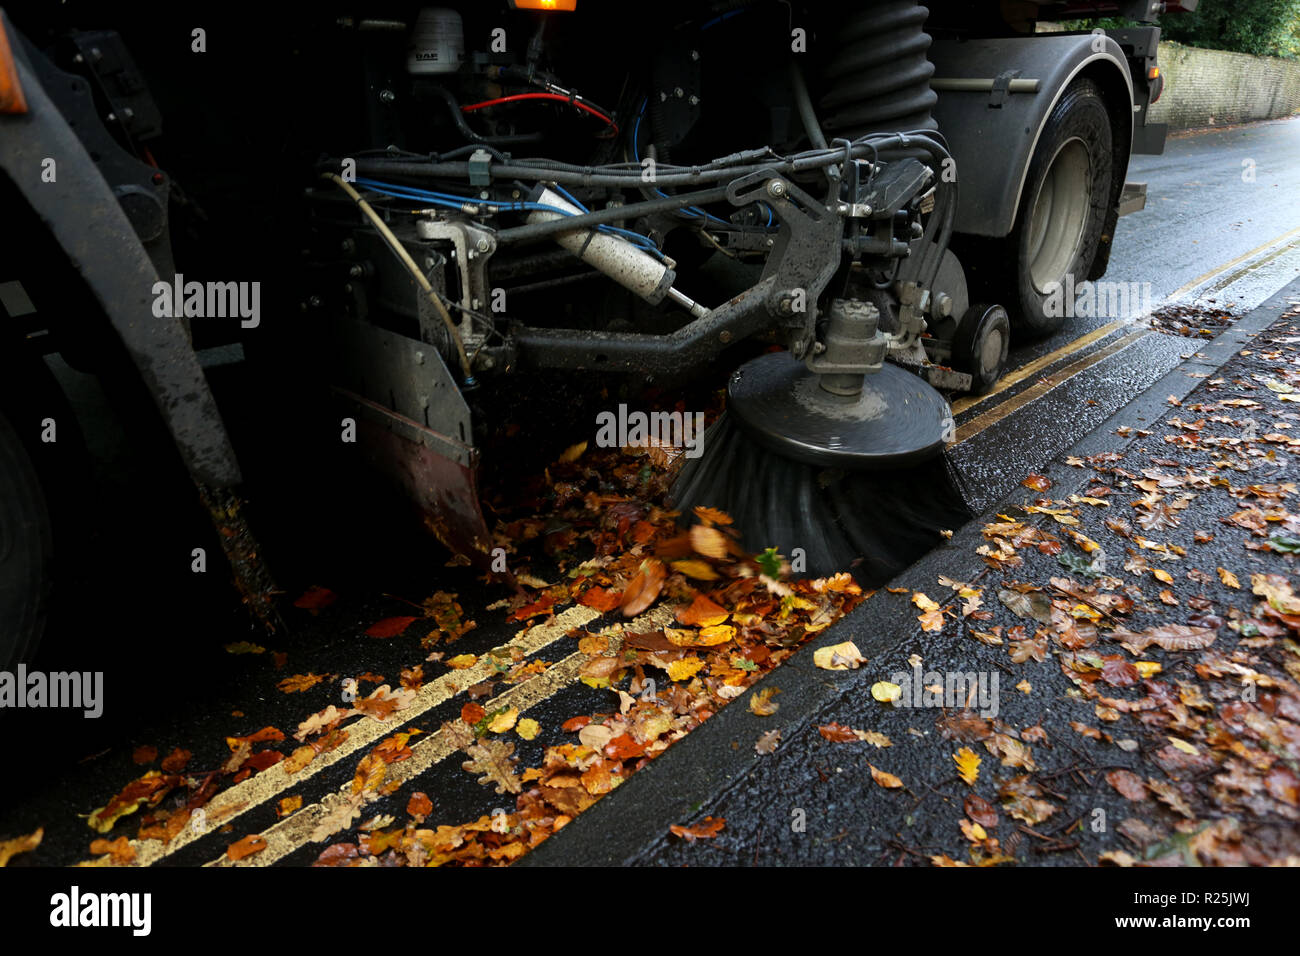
(678, 92)
(429, 262)
(483, 245)
(724, 337)
(78, 59)
(348, 245)
(347, 288)
(387, 96)
(775, 188)
(419, 358)
(694, 100)
(695, 55)
(770, 243)
(356, 270)
(315, 302)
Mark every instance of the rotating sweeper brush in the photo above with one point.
(839, 460)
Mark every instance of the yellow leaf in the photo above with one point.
(923, 602)
(684, 669)
(22, 844)
(1184, 746)
(1163, 576)
(573, 452)
(931, 620)
(838, 657)
(1024, 687)
(1148, 668)
(968, 764)
(885, 692)
(716, 634)
(708, 541)
(695, 568)
(1229, 579)
(462, 661)
(288, 805)
(760, 702)
(503, 721)
(886, 780)
(528, 728)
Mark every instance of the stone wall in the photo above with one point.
(1216, 88)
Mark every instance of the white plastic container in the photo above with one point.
(437, 42)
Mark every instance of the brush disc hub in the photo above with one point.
(897, 419)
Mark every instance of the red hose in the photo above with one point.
(542, 96)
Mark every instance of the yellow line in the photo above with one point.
(1183, 290)
(295, 831)
(1037, 391)
(273, 781)
(1025, 371)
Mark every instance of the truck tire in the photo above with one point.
(26, 550)
(1062, 208)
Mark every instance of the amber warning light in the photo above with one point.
(544, 4)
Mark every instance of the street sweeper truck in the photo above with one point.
(418, 215)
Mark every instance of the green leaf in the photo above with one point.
(770, 562)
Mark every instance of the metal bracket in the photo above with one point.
(1001, 87)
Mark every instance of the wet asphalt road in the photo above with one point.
(169, 683)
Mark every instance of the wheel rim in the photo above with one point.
(990, 355)
(1059, 215)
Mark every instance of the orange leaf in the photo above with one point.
(249, 845)
(702, 612)
(706, 829)
(709, 541)
(419, 805)
(644, 588)
(472, 713)
(120, 849)
(389, 626)
(144, 754)
(315, 598)
(1037, 482)
(886, 780)
(599, 599)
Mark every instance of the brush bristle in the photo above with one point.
(873, 524)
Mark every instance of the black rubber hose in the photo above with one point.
(878, 78)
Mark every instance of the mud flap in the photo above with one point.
(437, 474)
(413, 426)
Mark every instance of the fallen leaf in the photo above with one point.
(706, 829)
(1229, 579)
(419, 805)
(838, 657)
(300, 682)
(390, 626)
(768, 742)
(254, 843)
(1128, 784)
(761, 704)
(886, 780)
(22, 844)
(120, 850)
(968, 765)
(288, 805)
(885, 692)
(528, 728)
